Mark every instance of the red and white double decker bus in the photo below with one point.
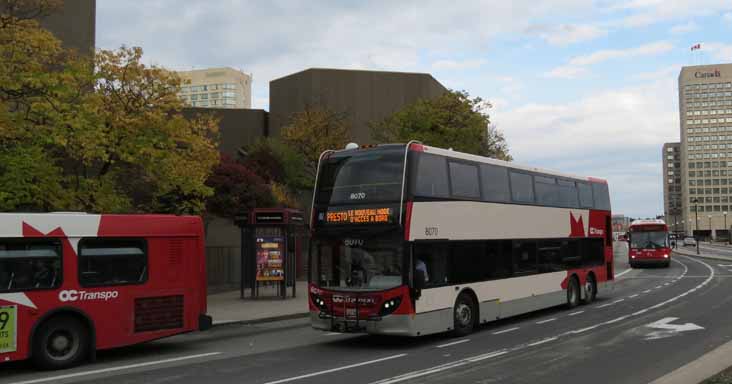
(72, 284)
(412, 240)
(648, 243)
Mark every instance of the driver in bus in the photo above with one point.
(421, 266)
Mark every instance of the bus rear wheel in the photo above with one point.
(60, 342)
(590, 289)
(464, 315)
(573, 292)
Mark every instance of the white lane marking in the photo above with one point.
(666, 329)
(634, 296)
(332, 334)
(543, 341)
(646, 291)
(576, 313)
(667, 284)
(453, 343)
(546, 321)
(725, 265)
(506, 330)
(336, 369)
(609, 304)
(660, 286)
(120, 368)
(440, 368)
(622, 273)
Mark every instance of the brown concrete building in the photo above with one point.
(361, 96)
(705, 108)
(671, 158)
(74, 24)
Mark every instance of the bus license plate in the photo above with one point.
(351, 312)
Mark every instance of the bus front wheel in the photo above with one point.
(573, 292)
(60, 342)
(465, 314)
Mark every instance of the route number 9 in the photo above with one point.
(4, 318)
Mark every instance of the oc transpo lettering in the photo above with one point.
(74, 295)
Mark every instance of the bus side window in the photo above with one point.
(435, 259)
(27, 264)
(550, 258)
(570, 254)
(524, 256)
(468, 262)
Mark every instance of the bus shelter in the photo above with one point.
(271, 249)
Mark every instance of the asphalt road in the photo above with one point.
(652, 322)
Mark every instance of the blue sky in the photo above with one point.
(587, 87)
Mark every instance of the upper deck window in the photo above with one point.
(495, 183)
(464, 180)
(522, 188)
(431, 180)
(361, 176)
(602, 196)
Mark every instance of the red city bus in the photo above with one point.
(648, 243)
(74, 283)
(412, 240)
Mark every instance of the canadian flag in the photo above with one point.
(696, 46)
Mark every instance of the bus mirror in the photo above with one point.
(419, 279)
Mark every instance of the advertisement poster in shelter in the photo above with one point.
(270, 258)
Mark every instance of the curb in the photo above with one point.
(704, 367)
(272, 319)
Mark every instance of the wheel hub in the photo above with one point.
(61, 345)
(463, 314)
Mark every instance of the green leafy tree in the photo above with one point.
(453, 120)
(277, 162)
(101, 133)
(311, 132)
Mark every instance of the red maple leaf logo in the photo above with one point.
(577, 227)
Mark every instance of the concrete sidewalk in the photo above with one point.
(229, 308)
(702, 253)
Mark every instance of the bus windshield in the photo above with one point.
(648, 240)
(357, 264)
(361, 176)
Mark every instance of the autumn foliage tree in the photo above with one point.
(101, 133)
(236, 189)
(312, 131)
(453, 120)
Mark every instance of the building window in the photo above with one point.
(204, 96)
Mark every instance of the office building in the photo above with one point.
(216, 88)
(671, 158)
(705, 108)
(620, 223)
(74, 23)
(361, 97)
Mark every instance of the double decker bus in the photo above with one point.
(648, 243)
(72, 284)
(413, 240)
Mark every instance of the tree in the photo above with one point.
(236, 189)
(313, 131)
(101, 134)
(453, 120)
(277, 162)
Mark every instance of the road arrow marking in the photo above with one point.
(665, 329)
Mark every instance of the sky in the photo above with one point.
(579, 86)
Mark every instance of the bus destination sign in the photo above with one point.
(360, 216)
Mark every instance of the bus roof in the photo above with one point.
(479, 159)
(71, 224)
(636, 223)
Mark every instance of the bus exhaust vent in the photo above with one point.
(158, 313)
(175, 255)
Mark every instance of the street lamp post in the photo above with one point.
(726, 230)
(710, 227)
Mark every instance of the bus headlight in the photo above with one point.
(318, 301)
(390, 306)
(665, 256)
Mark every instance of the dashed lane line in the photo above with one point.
(289, 379)
(506, 330)
(453, 343)
(546, 321)
(576, 313)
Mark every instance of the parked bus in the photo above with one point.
(72, 284)
(649, 243)
(413, 240)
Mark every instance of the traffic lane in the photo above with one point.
(370, 350)
(502, 339)
(716, 249)
(630, 352)
(226, 341)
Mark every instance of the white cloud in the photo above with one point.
(684, 28)
(648, 12)
(452, 65)
(565, 34)
(576, 65)
(718, 51)
(727, 17)
(615, 134)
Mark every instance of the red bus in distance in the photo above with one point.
(74, 283)
(648, 243)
